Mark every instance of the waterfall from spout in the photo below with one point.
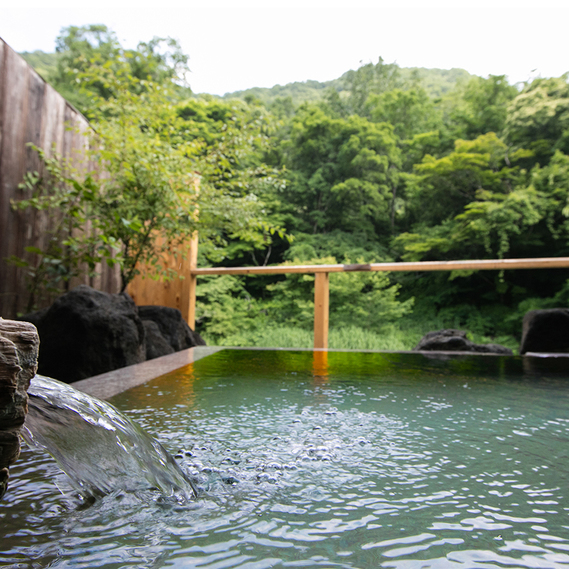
(99, 448)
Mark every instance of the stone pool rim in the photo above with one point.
(109, 384)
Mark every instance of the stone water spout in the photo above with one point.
(19, 344)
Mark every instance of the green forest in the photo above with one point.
(382, 164)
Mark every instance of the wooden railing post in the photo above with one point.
(190, 287)
(192, 282)
(321, 309)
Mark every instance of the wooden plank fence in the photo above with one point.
(179, 292)
(32, 111)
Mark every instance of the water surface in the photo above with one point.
(325, 460)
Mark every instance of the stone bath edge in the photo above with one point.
(107, 385)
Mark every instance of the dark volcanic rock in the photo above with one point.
(455, 341)
(546, 331)
(19, 345)
(156, 344)
(35, 317)
(86, 332)
(172, 326)
(444, 341)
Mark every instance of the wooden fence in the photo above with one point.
(177, 293)
(32, 111)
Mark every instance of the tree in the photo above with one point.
(342, 173)
(80, 48)
(510, 213)
(233, 139)
(367, 80)
(410, 112)
(480, 106)
(72, 243)
(443, 186)
(368, 300)
(538, 119)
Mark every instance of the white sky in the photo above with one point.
(235, 45)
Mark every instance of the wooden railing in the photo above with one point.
(322, 272)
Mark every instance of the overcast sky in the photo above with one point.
(235, 45)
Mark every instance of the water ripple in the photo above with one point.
(356, 472)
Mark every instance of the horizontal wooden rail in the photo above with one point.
(482, 265)
(321, 272)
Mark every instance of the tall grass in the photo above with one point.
(347, 338)
(395, 337)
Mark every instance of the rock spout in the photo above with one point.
(19, 344)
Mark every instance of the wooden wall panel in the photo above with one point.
(36, 222)
(26, 223)
(174, 293)
(12, 165)
(2, 87)
(32, 111)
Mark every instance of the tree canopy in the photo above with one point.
(383, 163)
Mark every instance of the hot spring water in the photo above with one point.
(98, 447)
(327, 460)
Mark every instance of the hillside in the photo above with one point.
(436, 82)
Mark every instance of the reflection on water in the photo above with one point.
(309, 459)
(320, 370)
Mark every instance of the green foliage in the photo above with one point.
(81, 48)
(381, 163)
(152, 150)
(444, 186)
(336, 243)
(436, 82)
(410, 112)
(343, 338)
(44, 63)
(231, 138)
(504, 212)
(553, 181)
(342, 173)
(367, 80)
(146, 199)
(298, 93)
(380, 167)
(478, 106)
(494, 219)
(486, 103)
(359, 298)
(225, 311)
(538, 118)
(69, 250)
(229, 315)
(149, 189)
